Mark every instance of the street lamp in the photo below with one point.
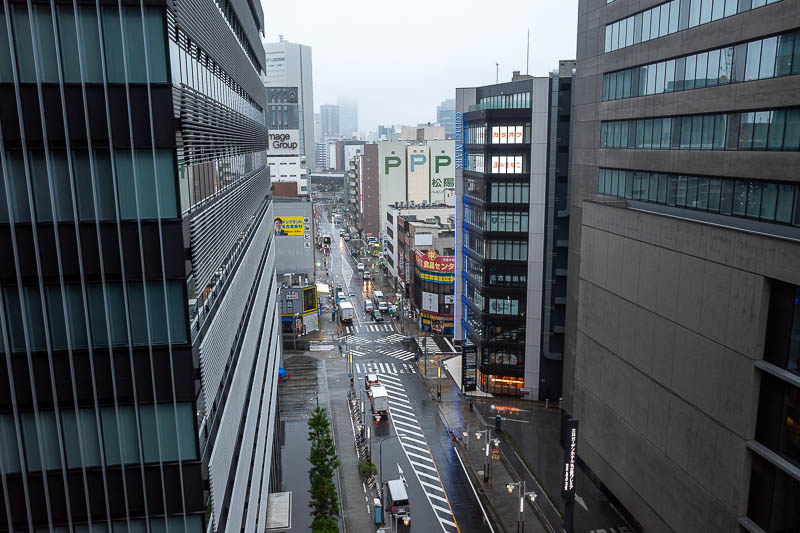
(380, 455)
(486, 455)
(523, 493)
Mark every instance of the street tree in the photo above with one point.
(324, 499)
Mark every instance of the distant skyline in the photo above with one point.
(398, 62)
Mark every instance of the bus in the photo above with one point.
(380, 301)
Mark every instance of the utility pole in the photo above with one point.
(496, 72)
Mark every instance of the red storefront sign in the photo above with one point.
(431, 261)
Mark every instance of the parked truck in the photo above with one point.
(346, 312)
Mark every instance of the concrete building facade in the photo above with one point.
(682, 361)
(289, 65)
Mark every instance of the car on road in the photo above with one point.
(341, 233)
(397, 500)
(368, 307)
(360, 267)
(380, 402)
(371, 380)
(366, 275)
(354, 252)
(377, 316)
(346, 237)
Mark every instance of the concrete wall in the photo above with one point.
(294, 253)
(666, 315)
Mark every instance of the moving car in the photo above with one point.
(397, 500)
(368, 307)
(366, 275)
(377, 316)
(346, 312)
(371, 380)
(346, 237)
(360, 267)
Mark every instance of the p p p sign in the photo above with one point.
(391, 161)
(442, 161)
(416, 160)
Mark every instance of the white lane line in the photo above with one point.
(420, 456)
(383, 371)
(395, 390)
(404, 417)
(394, 380)
(435, 487)
(428, 476)
(438, 497)
(412, 426)
(474, 492)
(422, 466)
(442, 510)
(424, 450)
(417, 440)
(450, 344)
(401, 407)
(448, 522)
(358, 368)
(404, 430)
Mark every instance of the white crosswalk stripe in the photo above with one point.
(417, 450)
(357, 353)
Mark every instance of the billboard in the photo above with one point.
(291, 226)
(434, 262)
(443, 169)
(391, 175)
(508, 134)
(430, 301)
(419, 173)
(283, 142)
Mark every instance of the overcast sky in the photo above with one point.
(399, 60)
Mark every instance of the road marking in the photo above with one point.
(406, 430)
(429, 476)
(474, 492)
(421, 457)
(435, 487)
(421, 465)
(424, 450)
(417, 440)
(412, 426)
(442, 510)
(403, 416)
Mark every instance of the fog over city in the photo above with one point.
(400, 60)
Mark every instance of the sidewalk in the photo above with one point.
(501, 506)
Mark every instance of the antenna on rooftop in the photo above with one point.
(528, 54)
(496, 72)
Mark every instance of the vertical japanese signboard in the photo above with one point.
(570, 456)
(469, 367)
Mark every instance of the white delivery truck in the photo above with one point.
(380, 402)
(346, 312)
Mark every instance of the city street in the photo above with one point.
(413, 439)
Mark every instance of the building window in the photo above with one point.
(782, 342)
(671, 17)
(773, 496)
(777, 130)
(772, 202)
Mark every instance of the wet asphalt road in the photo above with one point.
(414, 438)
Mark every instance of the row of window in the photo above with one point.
(671, 17)
(146, 175)
(200, 181)
(194, 68)
(170, 524)
(760, 200)
(503, 101)
(79, 44)
(496, 250)
(496, 220)
(167, 434)
(107, 321)
(756, 60)
(500, 164)
(509, 134)
(755, 130)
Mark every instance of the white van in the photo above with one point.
(397, 499)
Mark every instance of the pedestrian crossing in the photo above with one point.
(384, 368)
(403, 355)
(417, 451)
(369, 328)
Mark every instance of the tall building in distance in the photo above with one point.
(512, 157)
(683, 320)
(138, 325)
(317, 127)
(446, 116)
(289, 65)
(329, 121)
(348, 117)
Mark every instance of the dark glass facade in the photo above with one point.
(128, 227)
(505, 238)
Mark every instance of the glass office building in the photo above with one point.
(513, 150)
(683, 330)
(138, 334)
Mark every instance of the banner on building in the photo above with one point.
(443, 169)
(291, 226)
(430, 260)
(419, 173)
(430, 302)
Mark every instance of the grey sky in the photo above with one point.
(399, 60)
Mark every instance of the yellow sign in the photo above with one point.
(291, 226)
